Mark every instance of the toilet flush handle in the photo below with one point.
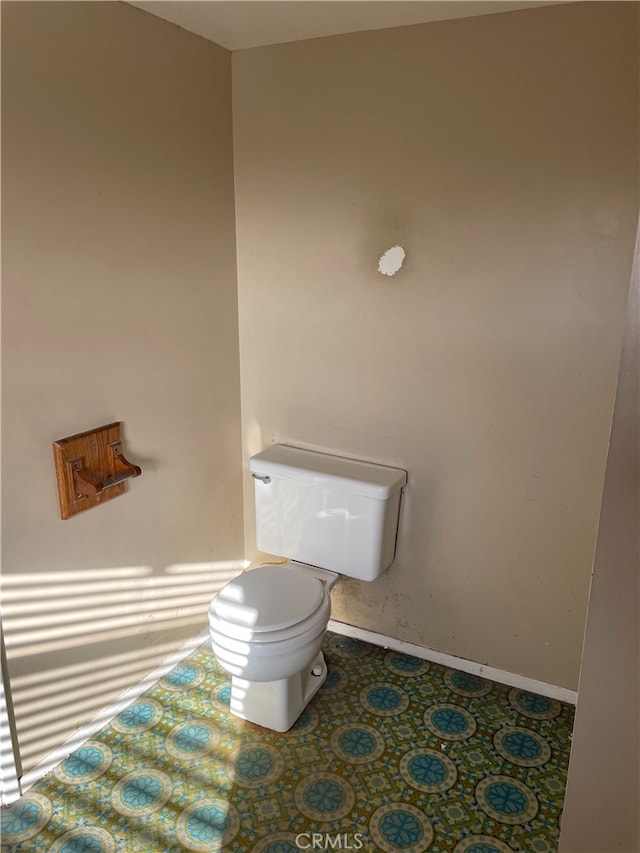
(264, 478)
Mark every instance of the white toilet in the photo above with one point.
(329, 516)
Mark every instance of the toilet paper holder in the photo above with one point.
(91, 468)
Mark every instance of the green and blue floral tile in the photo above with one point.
(393, 754)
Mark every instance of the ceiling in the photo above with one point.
(238, 24)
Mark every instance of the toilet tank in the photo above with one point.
(327, 511)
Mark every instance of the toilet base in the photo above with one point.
(276, 705)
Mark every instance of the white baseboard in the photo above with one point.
(105, 716)
(522, 682)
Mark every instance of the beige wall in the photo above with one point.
(119, 303)
(602, 806)
(501, 152)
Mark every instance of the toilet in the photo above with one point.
(326, 516)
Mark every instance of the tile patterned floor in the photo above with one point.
(393, 754)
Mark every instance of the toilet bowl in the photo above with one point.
(328, 516)
(267, 627)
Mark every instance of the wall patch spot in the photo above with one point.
(391, 260)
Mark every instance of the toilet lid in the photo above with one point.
(269, 598)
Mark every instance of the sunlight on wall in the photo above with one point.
(44, 708)
(44, 612)
(83, 612)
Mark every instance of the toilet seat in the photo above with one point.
(271, 604)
